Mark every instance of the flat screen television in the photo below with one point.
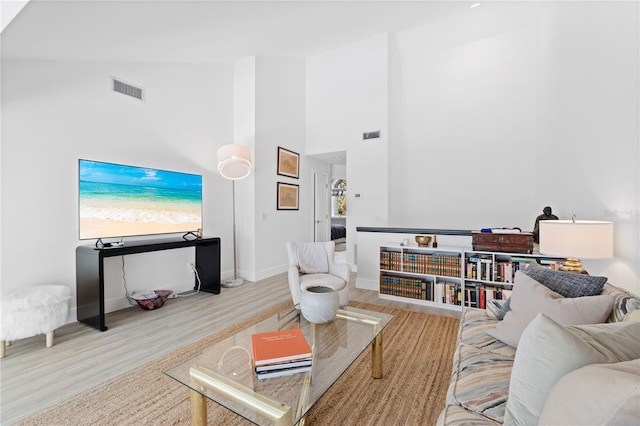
(116, 200)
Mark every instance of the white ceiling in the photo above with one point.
(338, 157)
(205, 31)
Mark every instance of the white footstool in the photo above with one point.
(31, 311)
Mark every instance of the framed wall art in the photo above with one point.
(288, 163)
(288, 196)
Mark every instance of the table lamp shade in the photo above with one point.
(234, 161)
(587, 239)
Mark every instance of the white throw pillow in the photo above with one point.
(598, 394)
(548, 351)
(312, 258)
(529, 298)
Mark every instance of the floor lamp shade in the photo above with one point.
(234, 161)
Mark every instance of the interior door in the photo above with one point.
(321, 211)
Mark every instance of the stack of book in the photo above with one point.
(280, 353)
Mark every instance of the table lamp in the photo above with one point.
(574, 239)
(234, 162)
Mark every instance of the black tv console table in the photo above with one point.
(90, 271)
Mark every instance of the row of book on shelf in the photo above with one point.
(416, 288)
(421, 263)
(482, 267)
(477, 295)
(281, 353)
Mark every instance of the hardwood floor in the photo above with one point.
(33, 377)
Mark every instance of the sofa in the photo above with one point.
(556, 373)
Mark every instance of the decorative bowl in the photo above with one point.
(423, 240)
(153, 302)
(319, 304)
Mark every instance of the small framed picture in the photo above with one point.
(288, 163)
(288, 196)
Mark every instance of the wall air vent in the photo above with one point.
(127, 89)
(371, 135)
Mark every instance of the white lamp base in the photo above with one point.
(234, 282)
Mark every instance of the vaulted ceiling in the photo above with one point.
(204, 31)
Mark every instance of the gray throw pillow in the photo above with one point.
(568, 284)
(499, 307)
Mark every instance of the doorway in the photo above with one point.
(323, 217)
(320, 211)
(339, 213)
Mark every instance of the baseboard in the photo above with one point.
(366, 284)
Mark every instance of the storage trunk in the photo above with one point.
(510, 243)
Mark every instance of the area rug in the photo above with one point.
(418, 352)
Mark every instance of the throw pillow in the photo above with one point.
(568, 284)
(548, 351)
(598, 394)
(312, 258)
(529, 298)
(498, 308)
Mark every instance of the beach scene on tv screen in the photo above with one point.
(117, 200)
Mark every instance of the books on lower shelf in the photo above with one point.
(280, 353)
(478, 294)
(422, 289)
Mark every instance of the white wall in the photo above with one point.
(9, 10)
(244, 134)
(347, 92)
(0, 174)
(588, 123)
(55, 113)
(462, 118)
(280, 117)
(269, 112)
(519, 113)
(338, 171)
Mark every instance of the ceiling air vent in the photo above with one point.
(127, 89)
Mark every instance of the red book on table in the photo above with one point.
(279, 346)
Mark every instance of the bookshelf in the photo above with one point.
(422, 275)
(489, 275)
(451, 277)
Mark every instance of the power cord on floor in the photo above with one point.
(132, 302)
(195, 271)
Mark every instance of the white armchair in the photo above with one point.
(336, 276)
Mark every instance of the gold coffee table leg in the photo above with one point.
(198, 409)
(376, 357)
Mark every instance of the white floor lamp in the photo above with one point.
(234, 163)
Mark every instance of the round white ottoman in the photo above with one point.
(31, 311)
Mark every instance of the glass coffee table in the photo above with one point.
(224, 371)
